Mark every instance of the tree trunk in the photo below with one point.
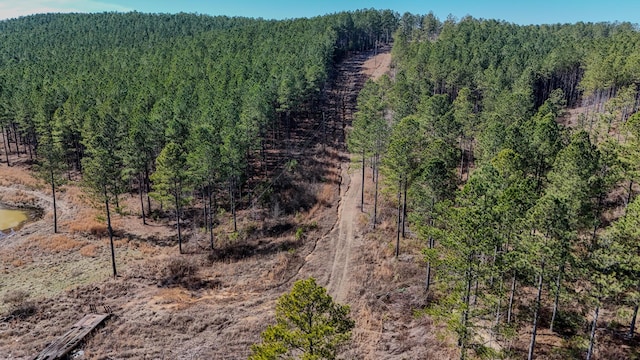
(465, 314)
(34, 141)
(141, 185)
(468, 163)
(210, 218)
(7, 135)
(596, 220)
(147, 183)
(475, 291)
(499, 305)
(177, 200)
(324, 133)
(53, 193)
(204, 209)
(15, 138)
(511, 296)
(77, 151)
(536, 314)
(69, 167)
(404, 208)
(115, 196)
(399, 220)
(28, 146)
(263, 151)
(592, 338)
(428, 280)
(557, 296)
(632, 327)
(4, 141)
(375, 201)
(493, 263)
(233, 205)
(110, 231)
(461, 157)
(629, 195)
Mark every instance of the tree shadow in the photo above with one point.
(239, 251)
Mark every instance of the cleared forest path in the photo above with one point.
(330, 261)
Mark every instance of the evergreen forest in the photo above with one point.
(511, 153)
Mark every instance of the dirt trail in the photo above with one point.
(42, 200)
(330, 260)
(343, 237)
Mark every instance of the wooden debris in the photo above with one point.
(72, 338)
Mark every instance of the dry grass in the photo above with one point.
(18, 256)
(325, 198)
(146, 249)
(20, 307)
(86, 222)
(15, 296)
(90, 250)
(364, 219)
(19, 197)
(19, 262)
(75, 195)
(283, 265)
(58, 243)
(171, 295)
(179, 268)
(120, 243)
(370, 326)
(10, 176)
(327, 194)
(377, 66)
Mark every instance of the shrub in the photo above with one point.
(20, 307)
(180, 268)
(180, 271)
(15, 297)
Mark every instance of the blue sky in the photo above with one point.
(517, 11)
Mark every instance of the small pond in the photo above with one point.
(12, 218)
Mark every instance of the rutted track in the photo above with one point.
(329, 261)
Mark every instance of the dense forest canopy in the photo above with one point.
(119, 96)
(507, 189)
(489, 55)
(470, 131)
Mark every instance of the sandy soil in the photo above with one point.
(329, 261)
(343, 237)
(378, 65)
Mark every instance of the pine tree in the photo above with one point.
(51, 161)
(171, 180)
(103, 164)
(309, 325)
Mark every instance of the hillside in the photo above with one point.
(467, 186)
(511, 151)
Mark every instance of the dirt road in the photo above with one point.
(342, 237)
(330, 261)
